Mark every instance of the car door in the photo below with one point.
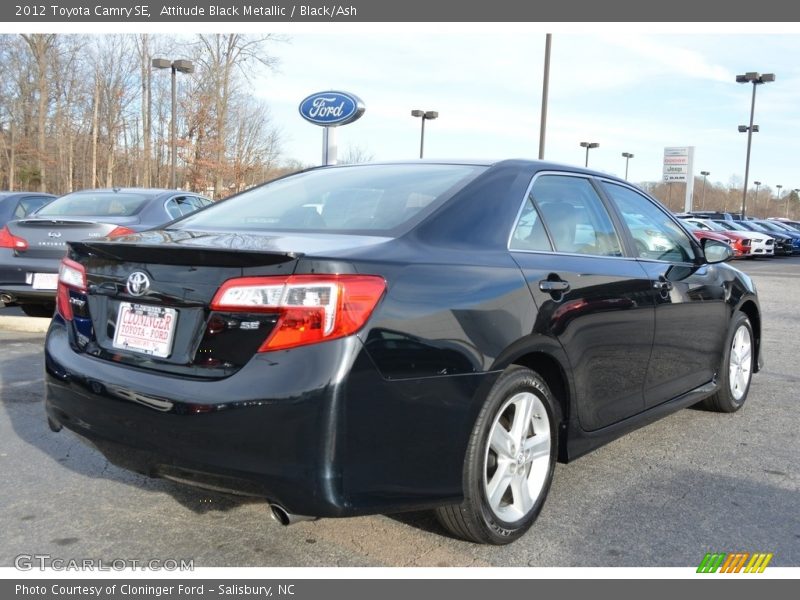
(595, 301)
(690, 313)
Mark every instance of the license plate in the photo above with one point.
(45, 281)
(145, 329)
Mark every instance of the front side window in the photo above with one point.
(566, 212)
(655, 234)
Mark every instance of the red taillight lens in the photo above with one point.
(119, 231)
(71, 275)
(9, 240)
(311, 308)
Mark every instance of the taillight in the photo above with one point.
(9, 240)
(311, 308)
(119, 231)
(71, 276)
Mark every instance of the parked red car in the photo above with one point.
(739, 240)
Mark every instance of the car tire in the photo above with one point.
(736, 370)
(506, 473)
(38, 310)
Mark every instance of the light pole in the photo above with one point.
(545, 91)
(703, 197)
(779, 187)
(425, 115)
(184, 66)
(796, 191)
(627, 156)
(758, 185)
(589, 146)
(756, 79)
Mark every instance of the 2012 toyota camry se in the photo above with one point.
(386, 337)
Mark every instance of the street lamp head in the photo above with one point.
(627, 155)
(430, 115)
(758, 183)
(705, 173)
(743, 128)
(590, 145)
(417, 113)
(161, 63)
(184, 66)
(755, 78)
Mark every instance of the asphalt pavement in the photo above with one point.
(664, 495)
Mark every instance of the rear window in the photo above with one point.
(370, 198)
(99, 204)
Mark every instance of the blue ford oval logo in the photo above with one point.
(330, 109)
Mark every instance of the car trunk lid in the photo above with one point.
(47, 238)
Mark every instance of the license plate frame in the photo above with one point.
(145, 329)
(44, 281)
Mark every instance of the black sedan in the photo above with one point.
(31, 248)
(387, 337)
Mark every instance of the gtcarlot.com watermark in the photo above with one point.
(44, 562)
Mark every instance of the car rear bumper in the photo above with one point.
(287, 427)
(16, 277)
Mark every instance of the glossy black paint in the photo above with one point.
(380, 421)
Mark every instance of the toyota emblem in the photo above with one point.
(138, 283)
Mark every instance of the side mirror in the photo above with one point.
(716, 251)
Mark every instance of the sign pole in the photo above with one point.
(330, 110)
(687, 201)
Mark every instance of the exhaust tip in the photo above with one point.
(280, 515)
(285, 518)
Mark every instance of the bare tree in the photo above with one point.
(224, 57)
(356, 154)
(41, 47)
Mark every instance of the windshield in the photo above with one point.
(95, 204)
(731, 225)
(779, 227)
(372, 198)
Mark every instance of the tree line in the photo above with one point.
(86, 111)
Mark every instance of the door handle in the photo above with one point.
(550, 286)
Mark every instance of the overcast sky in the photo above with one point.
(630, 91)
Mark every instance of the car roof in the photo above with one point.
(534, 165)
(9, 194)
(131, 190)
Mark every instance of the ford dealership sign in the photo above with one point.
(329, 109)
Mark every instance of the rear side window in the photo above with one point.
(655, 234)
(374, 198)
(566, 212)
(95, 204)
(183, 205)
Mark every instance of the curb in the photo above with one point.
(24, 324)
